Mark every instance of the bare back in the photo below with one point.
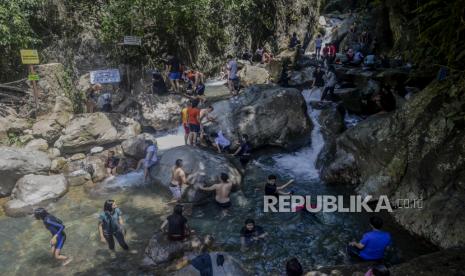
(223, 190)
(177, 176)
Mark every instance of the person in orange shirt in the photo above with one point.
(194, 123)
(185, 123)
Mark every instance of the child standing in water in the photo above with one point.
(56, 227)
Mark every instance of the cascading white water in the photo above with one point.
(302, 164)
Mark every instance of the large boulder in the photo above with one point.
(202, 167)
(159, 112)
(15, 163)
(231, 267)
(35, 190)
(269, 115)
(37, 144)
(415, 153)
(135, 147)
(86, 131)
(250, 75)
(161, 251)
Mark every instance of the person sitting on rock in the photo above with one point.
(271, 189)
(318, 75)
(373, 244)
(150, 159)
(111, 163)
(267, 57)
(330, 83)
(251, 234)
(369, 63)
(294, 41)
(259, 54)
(358, 58)
(350, 55)
(176, 225)
(56, 227)
(221, 143)
(222, 192)
(294, 268)
(243, 151)
(178, 178)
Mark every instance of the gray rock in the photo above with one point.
(161, 251)
(269, 115)
(79, 177)
(135, 147)
(95, 150)
(16, 163)
(86, 131)
(35, 190)
(37, 144)
(203, 168)
(251, 75)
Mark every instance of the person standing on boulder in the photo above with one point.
(193, 116)
(330, 83)
(222, 191)
(318, 44)
(56, 227)
(184, 121)
(178, 178)
(174, 73)
(232, 75)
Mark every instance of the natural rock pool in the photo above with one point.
(317, 240)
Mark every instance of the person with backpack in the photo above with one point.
(110, 225)
(56, 227)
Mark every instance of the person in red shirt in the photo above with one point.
(332, 52)
(325, 52)
(193, 119)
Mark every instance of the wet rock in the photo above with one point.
(412, 153)
(250, 75)
(203, 168)
(351, 99)
(33, 191)
(135, 147)
(161, 251)
(231, 267)
(37, 144)
(15, 163)
(86, 131)
(269, 115)
(79, 177)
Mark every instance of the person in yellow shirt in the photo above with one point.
(185, 124)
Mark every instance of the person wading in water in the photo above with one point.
(178, 178)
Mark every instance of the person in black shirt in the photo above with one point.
(251, 233)
(318, 77)
(174, 73)
(294, 41)
(243, 151)
(178, 229)
(271, 189)
(111, 163)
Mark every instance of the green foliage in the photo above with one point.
(75, 96)
(14, 139)
(441, 29)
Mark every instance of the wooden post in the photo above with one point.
(34, 89)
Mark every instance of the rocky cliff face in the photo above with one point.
(416, 152)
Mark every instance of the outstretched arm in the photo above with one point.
(285, 185)
(211, 188)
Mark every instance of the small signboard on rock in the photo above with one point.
(105, 76)
(29, 56)
(132, 40)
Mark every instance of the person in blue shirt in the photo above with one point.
(56, 227)
(110, 225)
(373, 244)
(151, 158)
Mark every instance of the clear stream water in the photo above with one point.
(317, 240)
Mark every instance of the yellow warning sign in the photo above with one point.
(29, 56)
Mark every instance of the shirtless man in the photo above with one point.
(205, 117)
(222, 190)
(178, 178)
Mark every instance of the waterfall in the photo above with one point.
(302, 164)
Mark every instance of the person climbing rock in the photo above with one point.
(222, 191)
(205, 118)
(110, 226)
(318, 75)
(271, 188)
(330, 83)
(56, 228)
(193, 118)
(294, 268)
(221, 143)
(111, 163)
(151, 158)
(178, 178)
(251, 234)
(233, 79)
(244, 150)
(176, 225)
(373, 244)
